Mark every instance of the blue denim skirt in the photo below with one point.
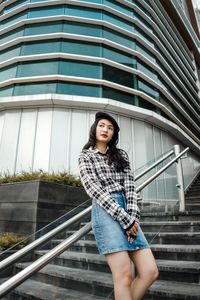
(109, 235)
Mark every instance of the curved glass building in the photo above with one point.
(61, 61)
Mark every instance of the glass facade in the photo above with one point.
(102, 48)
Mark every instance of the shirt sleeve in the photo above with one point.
(130, 192)
(95, 190)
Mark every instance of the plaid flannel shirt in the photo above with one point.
(100, 180)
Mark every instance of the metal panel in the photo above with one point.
(42, 142)
(9, 141)
(59, 140)
(79, 136)
(26, 140)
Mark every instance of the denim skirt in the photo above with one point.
(109, 235)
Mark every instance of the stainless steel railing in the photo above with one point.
(20, 277)
(155, 164)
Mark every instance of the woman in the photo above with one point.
(105, 174)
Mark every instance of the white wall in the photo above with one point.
(52, 138)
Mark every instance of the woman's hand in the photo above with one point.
(132, 232)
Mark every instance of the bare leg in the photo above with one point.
(147, 272)
(120, 265)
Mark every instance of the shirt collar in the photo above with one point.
(95, 150)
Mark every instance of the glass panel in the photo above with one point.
(14, 19)
(146, 88)
(144, 36)
(119, 7)
(119, 57)
(6, 92)
(37, 68)
(83, 29)
(15, 5)
(34, 88)
(118, 22)
(50, 27)
(119, 76)
(40, 47)
(11, 35)
(80, 69)
(81, 48)
(39, 0)
(145, 52)
(9, 53)
(118, 95)
(8, 73)
(79, 89)
(83, 12)
(48, 11)
(119, 38)
(93, 1)
(147, 70)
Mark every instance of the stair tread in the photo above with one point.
(164, 264)
(81, 256)
(166, 247)
(178, 223)
(178, 234)
(160, 286)
(46, 291)
(176, 288)
(176, 247)
(182, 265)
(75, 273)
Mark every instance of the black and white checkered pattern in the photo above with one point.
(100, 180)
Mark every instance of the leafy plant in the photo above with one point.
(60, 177)
(8, 240)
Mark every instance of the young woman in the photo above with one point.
(105, 174)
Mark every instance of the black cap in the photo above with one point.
(102, 115)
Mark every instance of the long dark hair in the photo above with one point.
(114, 154)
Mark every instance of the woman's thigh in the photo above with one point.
(144, 262)
(120, 264)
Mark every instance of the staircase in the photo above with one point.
(80, 273)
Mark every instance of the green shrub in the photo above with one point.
(61, 177)
(8, 240)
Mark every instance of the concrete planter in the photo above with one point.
(27, 206)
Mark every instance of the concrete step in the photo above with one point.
(194, 191)
(169, 290)
(91, 282)
(167, 226)
(88, 246)
(195, 186)
(179, 271)
(187, 238)
(172, 252)
(36, 290)
(192, 206)
(183, 271)
(80, 260)
(164, 216)
(176, 252)
(171, 226)
(95, 283)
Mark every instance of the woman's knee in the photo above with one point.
(124, 277)
(151, 274)
(154, 273)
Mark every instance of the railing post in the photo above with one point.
(180, 183)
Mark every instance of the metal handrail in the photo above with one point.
(42, 240)
(48, 236)
(155, 164)
(20, 277)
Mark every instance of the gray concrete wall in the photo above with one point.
(27, 206)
